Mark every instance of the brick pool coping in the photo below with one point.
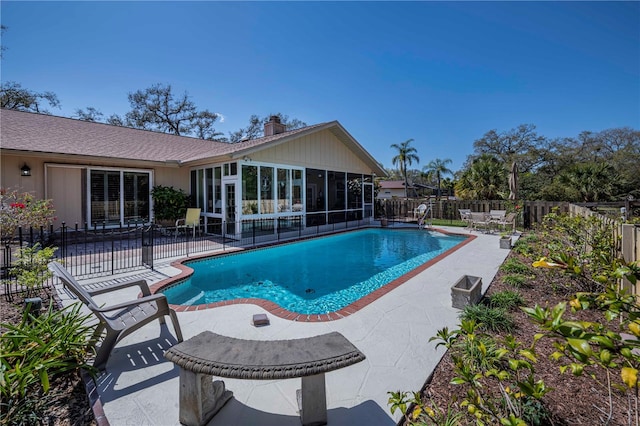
(279, 311)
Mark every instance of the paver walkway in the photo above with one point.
(140, 387)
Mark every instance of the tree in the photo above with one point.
(521, 144)
(406, 156)
(156, 108)
(485, 179)
(438, 168)
(591, 181)
(91, 114)
(2, 47)
(14, 96)
(255, 129)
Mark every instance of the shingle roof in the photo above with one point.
(393, 184)
(25, 131)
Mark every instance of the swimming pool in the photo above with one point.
(315, 276)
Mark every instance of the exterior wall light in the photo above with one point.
(25, 170)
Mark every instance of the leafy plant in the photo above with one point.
(30, 266)
(421, 414)
(169, 203)
(516, 280)
(506, 300)
(611, 344)
(498, 377)
(515, 266)
(487, 317)
(38, 349)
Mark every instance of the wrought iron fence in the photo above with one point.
(102, 250)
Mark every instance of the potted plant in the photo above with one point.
(169, 204)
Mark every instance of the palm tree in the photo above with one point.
(438, 168)
(406, 156)
(483, 180)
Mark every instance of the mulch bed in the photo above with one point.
(580, 400)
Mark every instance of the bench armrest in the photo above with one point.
(159, 298)
(144, 287)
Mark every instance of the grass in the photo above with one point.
(516, 280)
(488, 318)
(515, 266)
(506, 300)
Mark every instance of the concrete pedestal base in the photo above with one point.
(200, 397)
(312, 401)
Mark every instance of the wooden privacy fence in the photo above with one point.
(628, 234)
(532, 211)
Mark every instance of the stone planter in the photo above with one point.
(383, 222)
(466, 291)
(505, 242)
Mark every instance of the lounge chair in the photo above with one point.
(121, 319)
(192, 220)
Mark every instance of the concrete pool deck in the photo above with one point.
(140, 387)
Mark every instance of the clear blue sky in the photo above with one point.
(442, 73)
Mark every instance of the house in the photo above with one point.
(101, 174)
(395, 189)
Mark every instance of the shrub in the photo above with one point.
(506, 300)
(488, 318)
(513, 265)
(21, 209)
(526, 245)
(169, 203)
(516, 280)
(30, 266)
(36, 350)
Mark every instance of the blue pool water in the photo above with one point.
(315, 276)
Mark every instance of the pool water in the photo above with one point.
(314, 276)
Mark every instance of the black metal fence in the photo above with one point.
(102, 250)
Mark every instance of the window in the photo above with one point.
(266, 190)
(249, 190)
(118, 196)
(315, 190)
(354, 191)
(218, 194)
(284, 190)
(336, 190)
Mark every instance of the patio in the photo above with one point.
(141, 387)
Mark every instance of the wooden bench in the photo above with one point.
(209, 354)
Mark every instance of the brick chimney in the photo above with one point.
(273, 126)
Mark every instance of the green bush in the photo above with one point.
(169, 203)
(526, 245)
(516, 280)
(506, 300)
(488, 318)
(30, 266)
(36, 350)
(515, 266)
